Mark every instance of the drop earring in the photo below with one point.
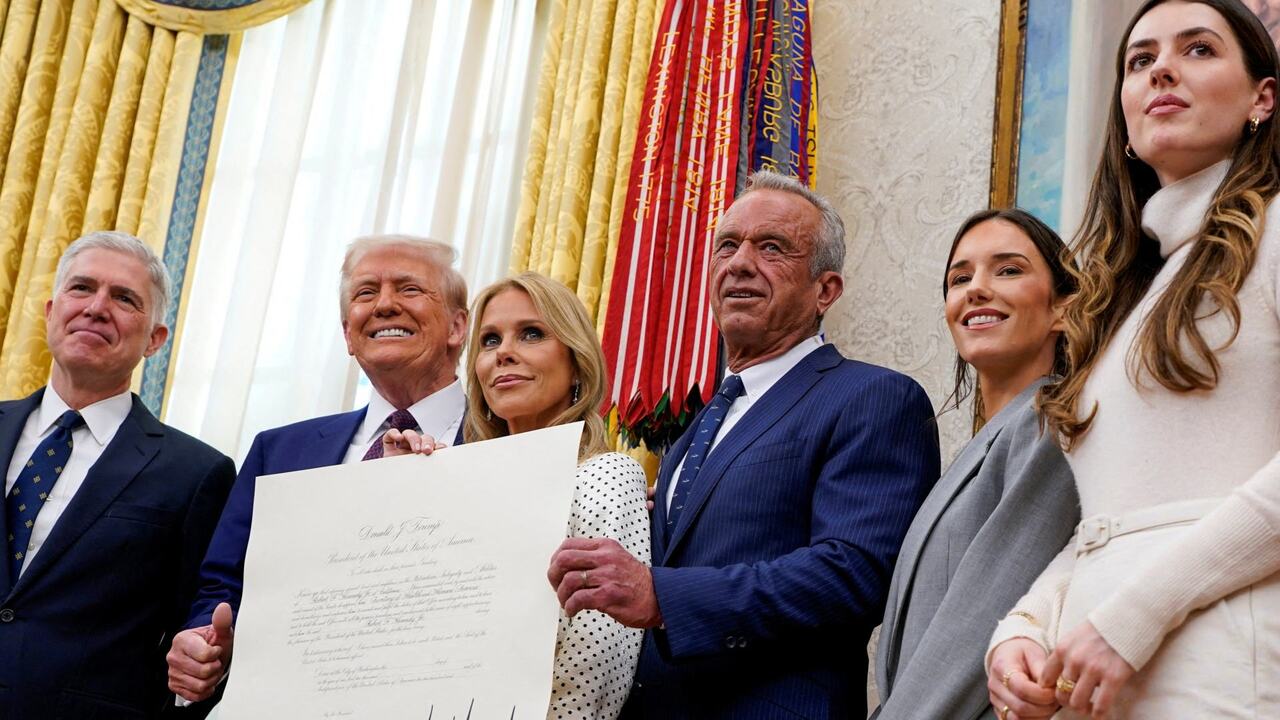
(1254, 122)
(576, 388)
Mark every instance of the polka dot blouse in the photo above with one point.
(595, 656)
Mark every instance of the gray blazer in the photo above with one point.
(998, 515)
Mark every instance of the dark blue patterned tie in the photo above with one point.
(33, 485)
(708, 426)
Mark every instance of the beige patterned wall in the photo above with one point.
(907, 95)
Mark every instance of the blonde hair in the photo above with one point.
(567, 319)
(439, 255)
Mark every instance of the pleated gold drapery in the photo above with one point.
(96, 120)
(583, 133)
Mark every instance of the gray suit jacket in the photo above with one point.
(998, 515)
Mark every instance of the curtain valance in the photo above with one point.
(209, 17)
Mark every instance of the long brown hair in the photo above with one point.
(567, 319)
(1116, 263)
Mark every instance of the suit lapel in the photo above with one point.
(762, 415)
(135, 443)
(13, 418)
(954, 480)
(328, 446)
(939, 499)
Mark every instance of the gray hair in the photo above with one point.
(437, 254)
(126, 244)
(828, 251)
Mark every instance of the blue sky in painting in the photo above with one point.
(1044, 109)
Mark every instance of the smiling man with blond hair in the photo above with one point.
(404, 317)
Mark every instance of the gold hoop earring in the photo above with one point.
(1129, 153)
(1254, 122)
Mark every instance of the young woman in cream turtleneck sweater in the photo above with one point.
(1166, 604)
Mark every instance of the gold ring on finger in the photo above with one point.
(1004, 679)
(1004, 712)
(1066, 686)
(584, 579)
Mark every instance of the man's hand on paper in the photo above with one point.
(403, 442)
(599, 574)
(199, 656)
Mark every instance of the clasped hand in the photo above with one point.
(1083, 673)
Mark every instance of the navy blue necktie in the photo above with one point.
(33, 485)
(700, 446)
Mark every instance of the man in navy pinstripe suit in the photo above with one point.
(780, 512)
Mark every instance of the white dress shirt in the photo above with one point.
(101, 421)
(438, 414)
(756, 381)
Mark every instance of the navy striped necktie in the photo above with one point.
(700, 446)
(33, 485)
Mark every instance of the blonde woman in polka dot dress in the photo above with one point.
(535, 362)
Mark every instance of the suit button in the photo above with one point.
(6, 615)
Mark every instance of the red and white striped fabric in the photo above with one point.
(659, 339)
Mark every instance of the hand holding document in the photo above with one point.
(410, 587)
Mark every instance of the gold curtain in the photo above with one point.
(583, 133)
(94, 109)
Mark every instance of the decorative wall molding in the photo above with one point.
(905, 123)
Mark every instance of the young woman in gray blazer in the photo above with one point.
(1008, 503)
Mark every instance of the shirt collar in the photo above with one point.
(757, 379)
(434, 413)
(102, 418)
(1175, 213)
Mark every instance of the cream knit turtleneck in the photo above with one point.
(1149, 446)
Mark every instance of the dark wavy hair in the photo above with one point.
(1117, 263)
(1054, 252)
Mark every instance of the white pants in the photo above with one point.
(1223, 662)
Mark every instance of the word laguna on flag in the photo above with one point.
(730, 90)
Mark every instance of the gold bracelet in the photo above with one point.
(1025, 616)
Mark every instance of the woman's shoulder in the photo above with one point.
(611, 465)
(1027, 429)
(1018, 419)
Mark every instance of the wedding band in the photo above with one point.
(1066, 686)
(584, 579)
(1004, 712)
(1004, 679)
